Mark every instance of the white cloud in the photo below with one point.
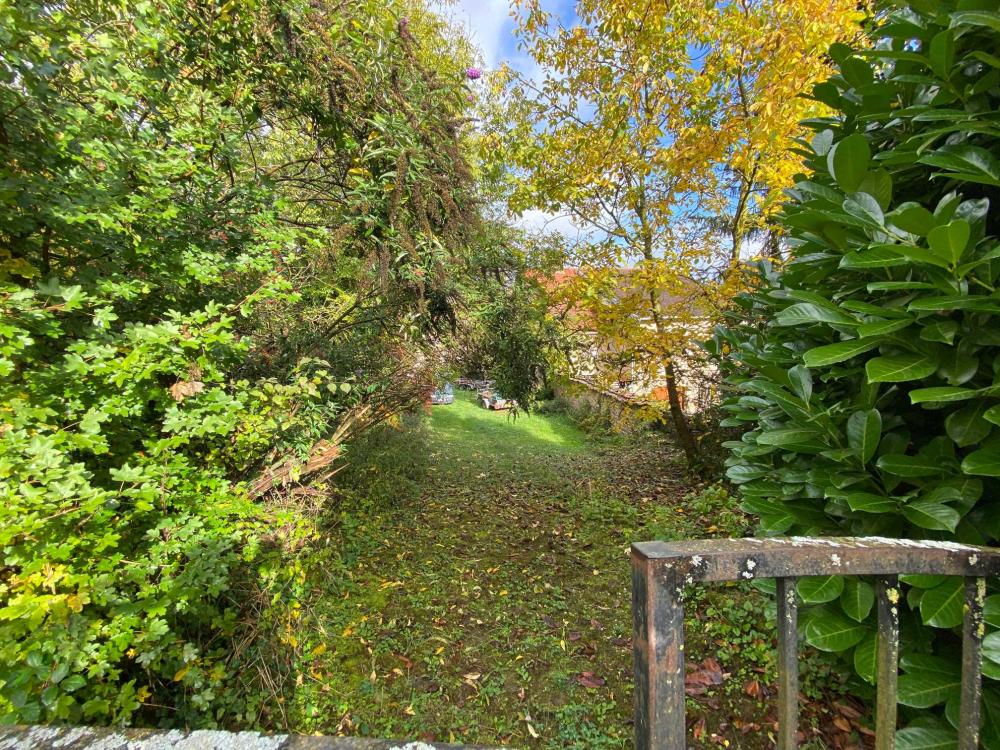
(545, 221)
(488, 24)
(751, 247)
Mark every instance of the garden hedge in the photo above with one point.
(866, 369)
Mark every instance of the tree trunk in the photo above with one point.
(688, 444)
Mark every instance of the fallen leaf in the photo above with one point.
(699, 728)
(709, 673)
(590, 680)
(531, 730)
(182, 389)
(849, 711)
(575, 635)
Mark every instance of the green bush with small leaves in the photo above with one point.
(866, 369)
(223, 227)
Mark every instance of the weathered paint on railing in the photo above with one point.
(97, 738)
(661, 570)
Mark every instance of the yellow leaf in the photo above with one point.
(181, 672)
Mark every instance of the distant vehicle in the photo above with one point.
(470, 384)
(493, 401)
(443, 395)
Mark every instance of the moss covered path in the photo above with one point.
(476, 588)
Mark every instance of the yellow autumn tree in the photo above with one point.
(666, 128)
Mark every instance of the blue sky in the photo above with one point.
(491, 27)
(489, 24)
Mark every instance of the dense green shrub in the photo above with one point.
(867, 367)
(225, 234)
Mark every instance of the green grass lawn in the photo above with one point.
(466, 427)
(474, 587)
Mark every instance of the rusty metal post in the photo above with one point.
(972, 664)
(661, 568)
(887, 598)
(788, 665)
(658, 652)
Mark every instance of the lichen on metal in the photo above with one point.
(661, 570)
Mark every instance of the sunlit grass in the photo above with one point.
(501, 432)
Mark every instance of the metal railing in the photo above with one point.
(661, 571)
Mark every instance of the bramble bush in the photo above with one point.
(225, 240)
(866, 369)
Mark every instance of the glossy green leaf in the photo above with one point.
(820, 589)
(915, 253)
(967, 425)
(989, 19)
(864, 431)
(865, 658)
(955, 302)
(912, 218)
(830, 354)
(857, 598)
(902, 465)
(865, 207)
(801, 381)
(931, 515)
(943, 394)
(943, 331)
(866, 260)
(941, 606)
(868, 502)
(925, 689)
(942, 53)
(974, 163)
(922, 581)
(805, 313)
(883, 327)
(991, 643)
(848, 161)
(983, 463)
(949, 240)
(991, 613)
(924, 738)
(900, 368)
(831, 631)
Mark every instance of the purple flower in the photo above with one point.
(473, 73)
